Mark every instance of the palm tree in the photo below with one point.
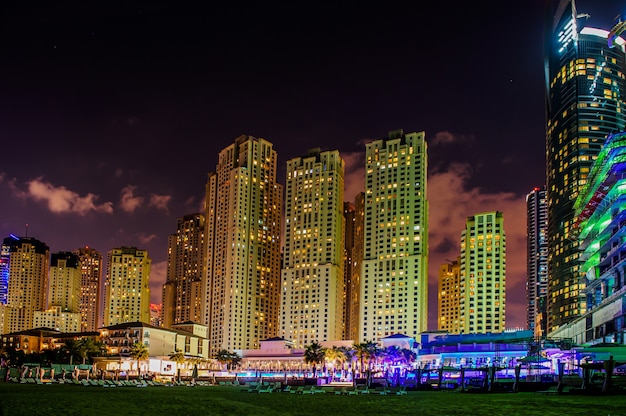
(337, 356)
(72, 348)
(235, 359)
(179, 358)
(393, 355)
(366, 351)
(408, 356)
(13, 357)
(231, 359)
(139, 351)
(360, 351)
(89, 347)
(314, 354)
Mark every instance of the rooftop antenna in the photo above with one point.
(26, 231)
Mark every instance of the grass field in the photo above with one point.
(32, 400)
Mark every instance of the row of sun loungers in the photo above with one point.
(90, 382)
(269, 388)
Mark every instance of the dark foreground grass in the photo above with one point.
(48, 400)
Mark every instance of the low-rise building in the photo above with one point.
(37, 340)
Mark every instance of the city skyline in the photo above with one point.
(124, 135)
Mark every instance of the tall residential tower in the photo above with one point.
(448, 297)
(241, 295)
(127, 297)
(353, 214)
(537, 261)
(394, 279)
(182, 292)
(28, 281)
(63, 302)
(483, 274)
(312, 304)
(91, 289)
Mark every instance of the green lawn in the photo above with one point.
(68, 400)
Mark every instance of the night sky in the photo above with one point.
(113, 113)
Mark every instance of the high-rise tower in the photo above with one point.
(28, 281)
(313, 270)
(64, 281)
(584, 102)
(91, 289)
(483, 274)
(182, 292)
(353, 214)
(243, 214)
(127, 296)
(4, 273)
(63, 303)
(394, 279)
(448, 297)
(537, 261)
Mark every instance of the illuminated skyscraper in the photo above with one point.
(91, 289)
(64, 281)
(537, 261)
(483, 274)
(449, 296)
(63, 303)
(243, 214)
(394, 279)
(182, 292)
(353, 214)
(28, 281)
(4, 273)
(127, 297)
(584, 101)
(312, 304)
(601, 222)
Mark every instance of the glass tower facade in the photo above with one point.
(584, 103)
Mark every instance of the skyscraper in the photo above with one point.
(448, 298)
(4, 273)
(483, 274)
(353, 214)
(394, 279)
(182, 299)
(584, 102)
(349, 220)
(91, 289)
(63, 303)
(28, 281)
(312, 304)
(601, 221)
(243, 212)
(537, 261)
(64, 281)
(127, 297)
